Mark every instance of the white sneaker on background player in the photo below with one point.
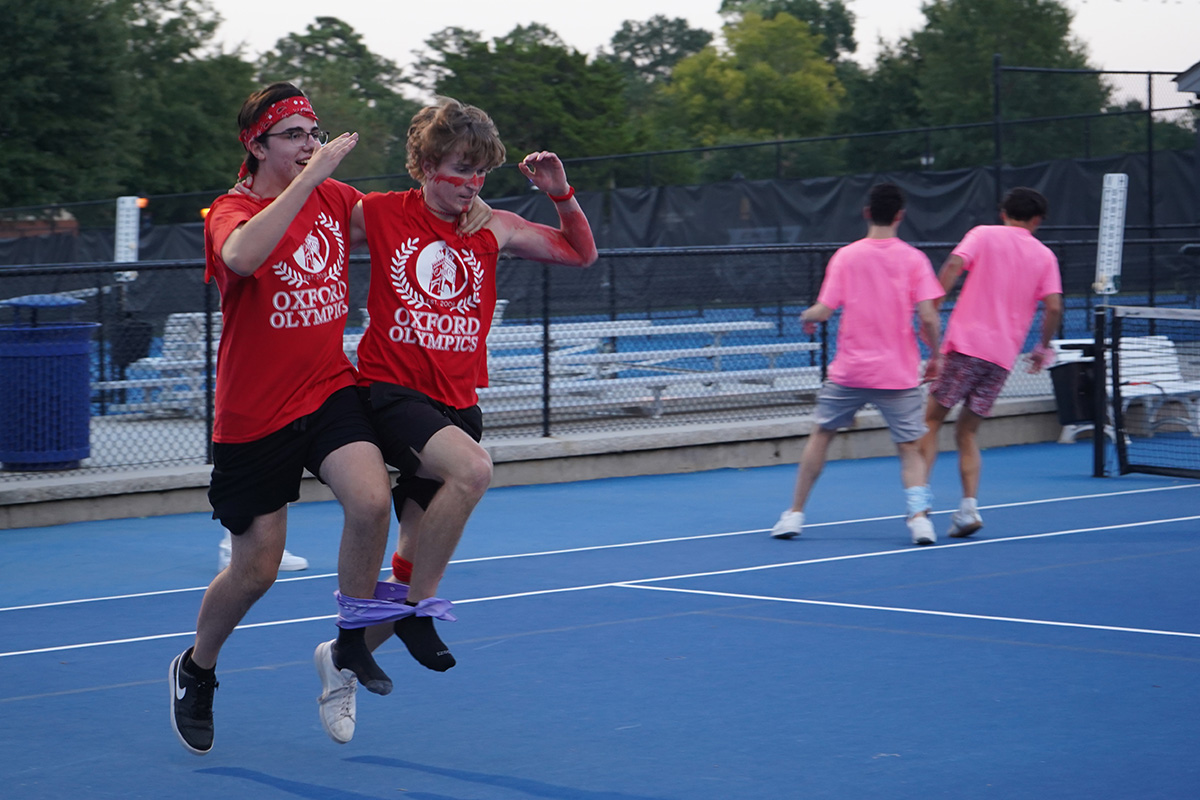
(965, 522)
(789, 526)
(289, 562)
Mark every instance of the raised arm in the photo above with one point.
(571, 243)
(248, 247)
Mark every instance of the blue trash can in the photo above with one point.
(45, 387)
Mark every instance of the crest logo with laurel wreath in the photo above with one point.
(319, 259)
(447, 278)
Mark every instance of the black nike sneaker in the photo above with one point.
(191, 706)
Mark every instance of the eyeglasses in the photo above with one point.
(299, 135)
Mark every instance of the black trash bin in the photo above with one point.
(131, 341)
(45, 391)
(1073, 381)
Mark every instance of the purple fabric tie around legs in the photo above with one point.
(388, 606)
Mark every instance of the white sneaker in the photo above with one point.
(336, 703)
(964, 523)
(789, 525)
(289, 562)
(922, 530)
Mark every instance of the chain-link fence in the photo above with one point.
(1040, 115)
(1045, 114)
(645, 338)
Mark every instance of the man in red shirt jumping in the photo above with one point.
(286, 396)
(432, 296)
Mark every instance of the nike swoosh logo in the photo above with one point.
(180, 691)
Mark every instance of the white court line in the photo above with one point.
(157, 636)
(621, 545)
(850, 557)
(920, 611)
(635, 583)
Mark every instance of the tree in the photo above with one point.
(165, 31)
(646, 54)
(648, 51)
(1123, 130)
(954, 81)
(352, 88)
(957, 44)
(942, 75)
(829, 18)
(883, 99)
(771, 83)
(62, 120)
(184, 94)
(541, 95)
(430, 65)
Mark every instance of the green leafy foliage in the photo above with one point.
(110, 97)
(62, 116)
(831, 20)
(771, 82)
(351, 88)
(542, 95)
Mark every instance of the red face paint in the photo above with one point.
(453, 185)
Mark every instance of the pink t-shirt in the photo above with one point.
(1008, 273)
(281, 355)
(877, 283)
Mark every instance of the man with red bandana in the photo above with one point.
(286, 396)
(432, 295)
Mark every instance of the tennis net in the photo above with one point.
(1153, 387)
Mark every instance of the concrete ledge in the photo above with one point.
(681, 448)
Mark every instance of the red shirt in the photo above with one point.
(281, 355)
(431, 300)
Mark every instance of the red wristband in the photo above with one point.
(562, 198)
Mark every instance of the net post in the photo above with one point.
(1099, 394)
(1118, 413)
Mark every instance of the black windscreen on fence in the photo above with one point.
(643, 339)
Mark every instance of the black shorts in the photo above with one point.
(250, 479)
(405, 420)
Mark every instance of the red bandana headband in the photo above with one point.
(281, 110)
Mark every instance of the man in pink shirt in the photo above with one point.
(878, 282)
(1009, 273)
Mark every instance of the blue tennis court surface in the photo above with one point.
(644, 638)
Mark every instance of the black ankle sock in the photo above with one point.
(423, 643)
(195, 670)
(350, 652)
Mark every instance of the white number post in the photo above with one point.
(126, 241)
(1112, 233)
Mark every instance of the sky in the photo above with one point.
(1138, 35)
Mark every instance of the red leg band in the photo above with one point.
(401, 568)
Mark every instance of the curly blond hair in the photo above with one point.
(438, 130)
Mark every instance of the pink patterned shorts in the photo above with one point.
(969, 380)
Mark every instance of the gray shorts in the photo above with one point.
(903, 409)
